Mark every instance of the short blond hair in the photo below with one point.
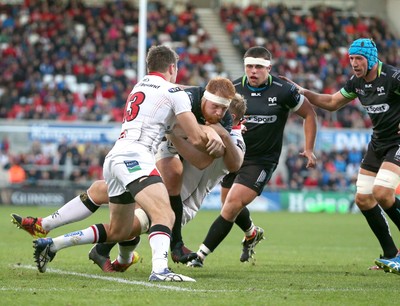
(238, 107)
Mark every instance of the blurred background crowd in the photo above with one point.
(68, 61)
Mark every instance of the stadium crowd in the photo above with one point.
(73, 62)
(311, 47)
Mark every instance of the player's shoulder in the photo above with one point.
(239, 82)
(389, 71)
(275, 81)
(195, 94)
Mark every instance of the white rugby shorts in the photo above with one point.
(122, 168)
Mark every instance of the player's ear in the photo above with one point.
(234, 119)
(171, 68)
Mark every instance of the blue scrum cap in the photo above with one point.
(367, 48)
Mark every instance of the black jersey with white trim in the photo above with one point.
(381, 100)
(195, 94)
(268, 108)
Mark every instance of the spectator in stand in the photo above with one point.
(16, 174)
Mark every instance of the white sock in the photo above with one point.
(72, 211)
(203, 252)
(125, 253)
(86, 236)
(159, 243)
(250, 232)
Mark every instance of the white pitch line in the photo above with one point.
(166, 287)
(119, 280)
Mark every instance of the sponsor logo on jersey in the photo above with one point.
(256, 94)
(368, 85)
(261, 119)
(141, 84)
(377, 109)
(132, 165)
(174, 89)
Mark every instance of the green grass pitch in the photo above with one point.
(307, 259)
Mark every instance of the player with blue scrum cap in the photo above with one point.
(377, 86)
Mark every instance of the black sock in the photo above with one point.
(378, 223)
(217, 233)
(394, 213)
(104, 249)
(88, 203)
(177, 207)
(243, 220)
(134, 241)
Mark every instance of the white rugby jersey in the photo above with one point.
(198, 183)
(150, 110)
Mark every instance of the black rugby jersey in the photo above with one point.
(381, 100)
(268, 109)
(195, 94)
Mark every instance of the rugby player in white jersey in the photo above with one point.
(200, 174)
(154, 105)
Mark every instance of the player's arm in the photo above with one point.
(197, 158)
(234, 155)
(307, 112)
(196, 136)
(324, 101)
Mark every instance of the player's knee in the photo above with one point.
(364, 201)
(384, 196)
(120, 233)
(98, 192)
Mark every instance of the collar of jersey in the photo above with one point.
(379, 68)
(266, 84)
(158, 74)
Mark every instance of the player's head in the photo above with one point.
(237, 108)
(164, 60)
(257, 65)
(217, 98)
(366, 48)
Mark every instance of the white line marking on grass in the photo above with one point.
(166, 287)
(119, 280)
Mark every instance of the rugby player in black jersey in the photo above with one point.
(269, 102)
(377, 86)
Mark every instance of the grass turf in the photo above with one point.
(307, 259)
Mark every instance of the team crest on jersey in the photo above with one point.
(174, 89)
(132, 165)
(272, 101)
(380, 90)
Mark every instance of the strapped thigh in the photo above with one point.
(365, 183)
(387, 178)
